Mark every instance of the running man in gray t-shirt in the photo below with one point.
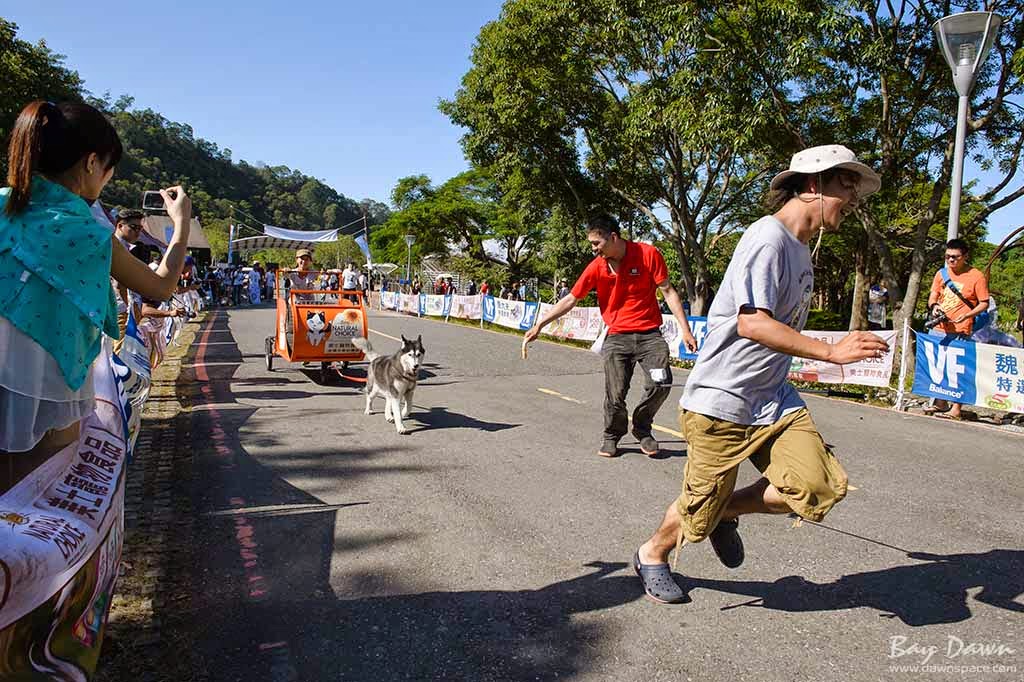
(737, 404)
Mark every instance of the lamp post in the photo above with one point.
(409, 241)
(965, 40)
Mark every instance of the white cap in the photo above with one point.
(818, 159)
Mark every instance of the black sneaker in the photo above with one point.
(649, 446)
(610, 448)
(727, 543)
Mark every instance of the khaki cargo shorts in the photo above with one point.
(789, 453)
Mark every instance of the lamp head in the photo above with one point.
(965, 40)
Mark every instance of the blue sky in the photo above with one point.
(346, 91)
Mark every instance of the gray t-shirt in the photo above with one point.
(737, 379)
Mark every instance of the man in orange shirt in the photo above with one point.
(961, 293)
(626, 275)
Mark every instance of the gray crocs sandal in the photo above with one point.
(659, 585)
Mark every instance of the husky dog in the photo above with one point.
(315, 324)
(394, 377)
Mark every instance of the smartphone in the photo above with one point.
(152, 201)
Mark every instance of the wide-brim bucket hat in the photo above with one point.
(819, 159)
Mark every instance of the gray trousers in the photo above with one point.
(621, 353)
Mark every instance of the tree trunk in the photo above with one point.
(861, 283)
(885, 261)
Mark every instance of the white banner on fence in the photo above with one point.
(407, 303)
(389, 300)
(870, 372)
(582, 324)
(433, 305)
(512, 314)
(466, 307)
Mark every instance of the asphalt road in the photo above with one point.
(492, 543)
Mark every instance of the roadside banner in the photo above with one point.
(407, 303)
(432, 305)
(674, 337)
(870, 372)
(388, 300)
(512, 314)
(581, 324)
(466, 307)
(969, 373)
(60, 545)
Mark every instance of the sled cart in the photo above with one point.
(316, 319)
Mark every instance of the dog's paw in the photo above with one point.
(403, 431)
(389, 419)
(367, 411)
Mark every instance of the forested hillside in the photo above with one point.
(160, 153)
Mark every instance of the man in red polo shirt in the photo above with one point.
(626, 275)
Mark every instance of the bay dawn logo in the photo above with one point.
(946, 368)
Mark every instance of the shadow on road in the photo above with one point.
(921, 594)
(264, 599)
(260, 543)
(667, 449)
(470, 635)
(442, 418)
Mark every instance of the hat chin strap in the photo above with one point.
(821, 228)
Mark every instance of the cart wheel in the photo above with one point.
(268, 349)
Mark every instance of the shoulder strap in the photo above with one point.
(949, 285)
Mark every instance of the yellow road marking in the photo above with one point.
(559, 395)
(671, 432)
(656, 427)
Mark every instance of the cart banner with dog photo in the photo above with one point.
(466, 307)
(969, 373)
(512, 314)
(316, 319)
(61, 533)
(673, 336)
(581, 324)
(868, 372)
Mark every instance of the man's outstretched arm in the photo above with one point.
(559, 309)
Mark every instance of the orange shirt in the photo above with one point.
(971, 285)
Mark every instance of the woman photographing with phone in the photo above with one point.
(56, 261)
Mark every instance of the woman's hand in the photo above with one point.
(179, 207)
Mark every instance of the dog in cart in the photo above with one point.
(394, 377)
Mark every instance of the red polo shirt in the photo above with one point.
(627, 299)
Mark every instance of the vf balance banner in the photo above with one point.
(970, 373)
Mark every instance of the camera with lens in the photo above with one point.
(935, 318)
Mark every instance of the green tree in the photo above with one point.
(29, 72)
(621, 101)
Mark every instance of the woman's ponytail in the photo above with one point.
(36, 122)
(50, 139)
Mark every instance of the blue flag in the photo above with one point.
(364, 247)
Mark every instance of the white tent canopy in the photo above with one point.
(280, 238)
(383, 268)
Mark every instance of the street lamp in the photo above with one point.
(409, 241)
(965, 40)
